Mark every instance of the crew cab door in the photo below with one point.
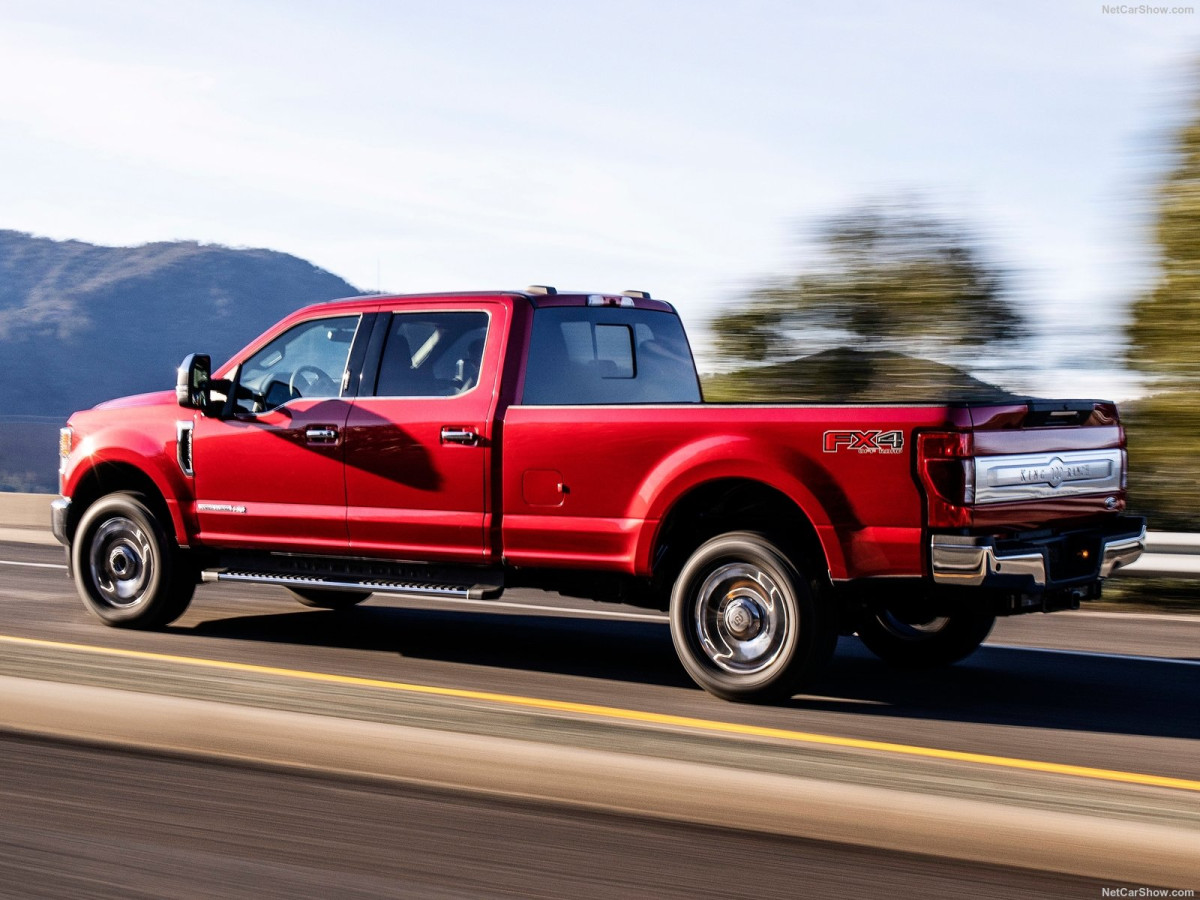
(419, 438)
(272, 473)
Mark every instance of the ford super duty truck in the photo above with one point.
(456, 445)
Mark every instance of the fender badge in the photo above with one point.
(220, 507)
(864, 441)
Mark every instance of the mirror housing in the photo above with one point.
(192, 381)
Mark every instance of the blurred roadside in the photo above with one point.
(895, 303)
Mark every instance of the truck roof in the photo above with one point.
(537, 296)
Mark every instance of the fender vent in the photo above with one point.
(183, 446)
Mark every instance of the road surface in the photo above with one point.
(1101, 693)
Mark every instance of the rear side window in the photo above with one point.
(432, 354)
(604, 355)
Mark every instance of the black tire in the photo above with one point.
(923, 641)
(128, 570)
(331, 599)
(747, 622)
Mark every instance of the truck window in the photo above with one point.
(432, 354)
(307, 360)
(606, 355)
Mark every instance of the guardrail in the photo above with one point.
(1168, 554)
(25, 510)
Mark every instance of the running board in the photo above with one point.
(378, 586)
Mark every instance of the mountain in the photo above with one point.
(80, 323)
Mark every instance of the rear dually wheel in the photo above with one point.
(912, 638)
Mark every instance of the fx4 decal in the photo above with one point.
(864, 441)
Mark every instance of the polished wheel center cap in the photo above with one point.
(121, 562)
(743, 619)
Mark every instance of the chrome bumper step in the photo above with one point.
(986, 561)
(344, 583)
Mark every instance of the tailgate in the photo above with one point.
(1028, 497)
(1044, 462)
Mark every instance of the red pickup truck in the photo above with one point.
(454, 445)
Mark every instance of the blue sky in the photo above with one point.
(678, 147)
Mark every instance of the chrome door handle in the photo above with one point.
(321, 434)
(459, 436)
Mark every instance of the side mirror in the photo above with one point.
(192, 381)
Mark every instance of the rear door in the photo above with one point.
(419, 439)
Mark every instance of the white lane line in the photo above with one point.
(482, 604)
(1097, 655)
(1158, 617)
(661, 617)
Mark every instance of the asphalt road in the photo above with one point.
(1113, 692)
(82, 822)
(1012, 698)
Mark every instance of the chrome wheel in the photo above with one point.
(741, 619)
(121, 560)
(745, 620)
(129, 572)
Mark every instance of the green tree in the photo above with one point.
(891, 283)
(1165, 333)
(1164, 428)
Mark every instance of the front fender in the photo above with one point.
(104, 453)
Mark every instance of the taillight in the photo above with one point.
(946, 467)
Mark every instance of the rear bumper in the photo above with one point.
(1038, 563)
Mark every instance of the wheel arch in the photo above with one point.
(734, 503)
(110, 476)
(782, 480)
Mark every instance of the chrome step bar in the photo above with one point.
(380, 586)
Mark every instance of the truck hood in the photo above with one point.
(156, 398)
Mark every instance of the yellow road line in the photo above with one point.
(631, 715)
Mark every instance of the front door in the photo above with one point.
(272, 475)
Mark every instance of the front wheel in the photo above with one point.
(746, 621)
(129, 572)
(917, 640)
